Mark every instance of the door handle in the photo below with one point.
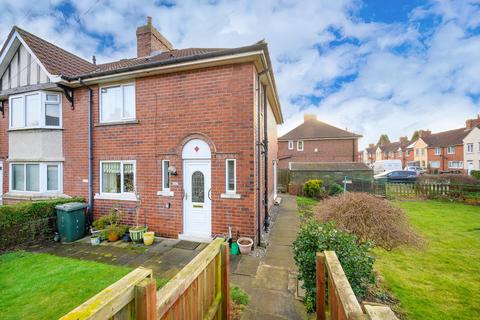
(184, 194)
(210, 194)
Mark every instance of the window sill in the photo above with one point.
(34, 129)
(19, 195)
(116, 123)
(165, 193)
(120, 197)
(230, 196)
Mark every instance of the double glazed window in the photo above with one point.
(470, 147)
(35, 110)
(165, 175)
(35, 177)
(117, 177)
(230, 176)
(290, 145)
(117, 103)
(438, 151)
(455, 164)
(451, 150)
(300, 145)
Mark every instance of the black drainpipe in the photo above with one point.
(90, 152)
(259, 162)
(266, 222)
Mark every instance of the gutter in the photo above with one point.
(90, 152)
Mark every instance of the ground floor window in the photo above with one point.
(455, 164)
(165, 175)
(35, 177)
(231, 176)
(434, 164)
(117, 177)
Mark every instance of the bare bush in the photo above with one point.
(370, 218)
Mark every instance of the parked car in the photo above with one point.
(386, 165)
(417, 169)
(396, 176)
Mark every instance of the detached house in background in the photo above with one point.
(317, 141)
(192, 132)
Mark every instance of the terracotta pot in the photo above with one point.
(245, 245)
(113, 236)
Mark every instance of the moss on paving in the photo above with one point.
(43, 286)
(442, 280)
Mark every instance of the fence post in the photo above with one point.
(320, 292)
(146, 299)
(225, 256)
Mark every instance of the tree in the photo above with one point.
(383, 139)
(416, 135)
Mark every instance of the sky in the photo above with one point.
(371, 66)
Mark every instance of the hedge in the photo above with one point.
(28, 222)
(475, 174)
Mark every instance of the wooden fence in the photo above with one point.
(200, 290)
(342, 303)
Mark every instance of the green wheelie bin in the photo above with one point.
(71, 221)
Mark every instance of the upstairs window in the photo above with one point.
(438, 151)
(451, 150)
(117, 103)
(300, 145)
(290, 145)
(469, 147)
(35, 110)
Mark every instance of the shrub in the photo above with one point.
(370, 218)
(355, 258)
(112, 218)
(313, 189)
(475, 174)
(335, 189)
(28, 221)
(239, 296)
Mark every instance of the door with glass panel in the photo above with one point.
(197, 202)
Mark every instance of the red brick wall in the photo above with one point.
(444, 157)
(345, 150)
(4, 146)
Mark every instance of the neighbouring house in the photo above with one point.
(419, 150)
(186, 135)
(393, 151)
(317, 141)
(369, 154)
(471, 146)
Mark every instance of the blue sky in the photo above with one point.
(371, 66)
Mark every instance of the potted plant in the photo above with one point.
(95, 240)
(136, 233)
(245, 245)
(100, 225)
(115, 231)
(148, 238)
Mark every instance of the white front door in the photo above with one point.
(1, 182)
(197, 203)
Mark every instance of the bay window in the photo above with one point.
(35, 177)
(117, 177)
(117, 103)
(35, 110)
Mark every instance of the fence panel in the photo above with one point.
(201, 289)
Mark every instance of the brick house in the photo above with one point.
(393, 151)
(317, 141)
(183, 130)
(369, 154)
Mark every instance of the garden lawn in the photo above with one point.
(442, 281)
(42, 286)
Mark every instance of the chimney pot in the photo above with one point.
(149, 21)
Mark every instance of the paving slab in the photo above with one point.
(247, 265)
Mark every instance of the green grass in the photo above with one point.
(441, 281)
(305, 206)
(42, 286)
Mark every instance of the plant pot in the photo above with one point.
(126, 237)
(95, 241)
(245, 245)
(113, 236)
(148, 238)
(136, 234)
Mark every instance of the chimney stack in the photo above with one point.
(308, 117)
(424, 133)
(403, 140)
(150, 40)
(472, 123)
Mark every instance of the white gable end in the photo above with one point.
(20, 67)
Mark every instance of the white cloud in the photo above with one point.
(395, 92)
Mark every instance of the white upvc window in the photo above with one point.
(230, 176)
(117, 103)
(434, 164)
(455, 164)
(438, 151)
(451, 150)
(118, 178)
(165, 176)
(290, 145)
(40, 109)
(36, 177)
(300, 145)
(469, 147)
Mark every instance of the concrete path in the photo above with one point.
(270, 281)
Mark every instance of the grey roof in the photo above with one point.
(315, 129)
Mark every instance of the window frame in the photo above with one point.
(436, 162)
(298, 143)
(164, 188)
(122, 118)
(122, 185)
(42, 178)
(438, 151)
(459, 166)
(470, 147)
(227, 190)
(451, 148)
(291, 145)
(43, 103)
